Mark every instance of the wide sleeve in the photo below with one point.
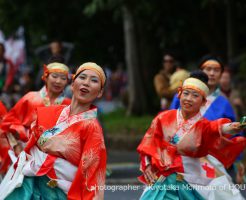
(221, 145)
(14, 120)
(163, 156)
(90, 178)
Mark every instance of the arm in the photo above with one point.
(14, 120)
(220, 144)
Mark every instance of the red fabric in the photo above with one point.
(3, 111)
(10, 74)
(18, 120)
(88, 152)
(210, 171)
(4, 145)
(21, 116)
(47, 167)
(204, 138)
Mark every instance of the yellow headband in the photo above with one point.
(55, 67)
(196, 84)
(94, 67)
(211, 63)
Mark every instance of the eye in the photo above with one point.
(82, 77)
(64, 78)
(94, 80)
(54, 75)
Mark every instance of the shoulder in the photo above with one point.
(166, 115)
(29, 96)
(223, 99)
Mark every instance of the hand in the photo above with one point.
(150, 175)
(18, 149)
(232, 128)
(240, 173)
(237, 127)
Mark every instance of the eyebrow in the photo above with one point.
(193, 92)
(92, 76)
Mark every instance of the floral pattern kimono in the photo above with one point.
(21, 116)
(69, 150)
(173, 146)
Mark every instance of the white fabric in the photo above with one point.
(220, 188)
(13, 178)
(64, 170)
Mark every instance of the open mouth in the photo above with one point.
(84, 90)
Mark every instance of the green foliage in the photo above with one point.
(117, 123)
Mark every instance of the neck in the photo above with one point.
(52, 96)
(212, 89)
(187, 115)
(77, 107)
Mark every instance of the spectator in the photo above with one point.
(162, 79)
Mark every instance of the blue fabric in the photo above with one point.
(36, 188)
(171, 189)
(220, 108)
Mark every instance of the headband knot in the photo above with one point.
(55, 67)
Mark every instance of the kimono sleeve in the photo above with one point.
(13, 120)
(90, 178)
(163, 155)
(220, 145)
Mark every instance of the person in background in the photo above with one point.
(217, 105)
(162, 80)
(231, 93)
(55, 50)
(17, 122)
(66, 154)
(7, 71)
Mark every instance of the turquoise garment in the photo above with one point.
(171, 189)
(36, 188)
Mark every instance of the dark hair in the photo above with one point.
(169, 53)
(56, 58)
(1, 44)
(198, 74)
(211, 57)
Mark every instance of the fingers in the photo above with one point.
(149, 175)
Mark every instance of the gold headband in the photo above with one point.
(94, 67)
(211, 63)
(196, 84)
(55, 67)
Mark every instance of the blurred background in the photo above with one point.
(128, 38)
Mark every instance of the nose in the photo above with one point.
(188, 97)
(85, 82)
(58, 80)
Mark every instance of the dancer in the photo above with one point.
(176, 139)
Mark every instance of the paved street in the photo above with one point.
(122, 184)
